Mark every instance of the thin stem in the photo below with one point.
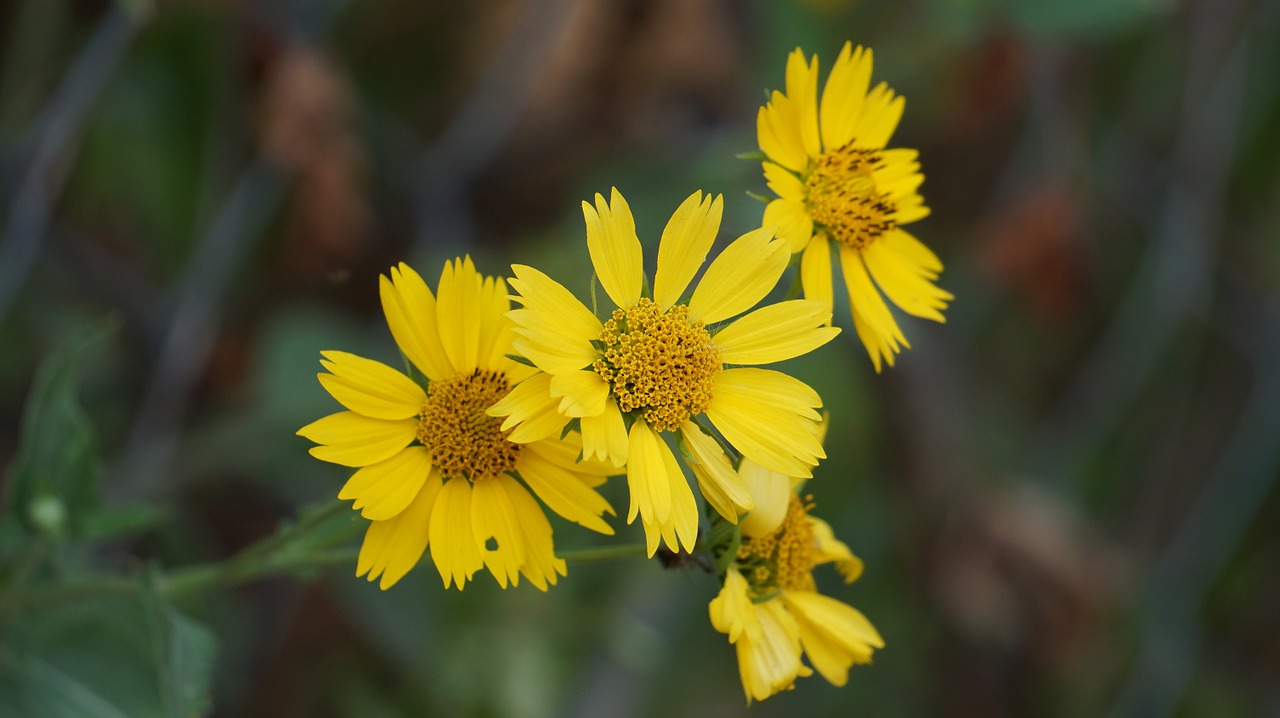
(604, 553)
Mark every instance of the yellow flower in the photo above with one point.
(659, 362)
(836, 183)
(769, 605)
(435, 469)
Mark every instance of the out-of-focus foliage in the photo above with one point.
(1064, 496)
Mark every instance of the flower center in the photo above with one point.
(462, 439)
(841, 195)
(658, 363)
(783, 559)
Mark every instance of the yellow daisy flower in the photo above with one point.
(769, 605)
(434, 469)
(836, 183)
(660, 361)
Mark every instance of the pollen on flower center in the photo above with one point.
(783, 559)
(462, 439)
(841, 195)
(658, 363)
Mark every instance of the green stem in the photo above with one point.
(604, 553)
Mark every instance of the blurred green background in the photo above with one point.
(1065, 496)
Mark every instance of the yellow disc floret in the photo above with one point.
(463, 440)
(658, 363)
(783, 559)
(841, 196)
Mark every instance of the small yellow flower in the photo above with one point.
(769, 605)
(434, 468)
(657, 363)
(836, 183)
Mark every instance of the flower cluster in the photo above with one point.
(518, 397)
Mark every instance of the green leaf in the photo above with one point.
(757, 156)
(54, 473)
(183, 652)
(520, 360)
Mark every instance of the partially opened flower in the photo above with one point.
(660, 362)
(837, 184)
(770, 606)
(434, 469)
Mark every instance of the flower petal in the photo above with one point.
(370, 387)
(350, 439)
(843, 95)
(554, 329)
(605, 436)
(913, 293)
(410, 309)
(771, 663)
(531, 410)
(495, 326)
(869, 307)
(659, 492)
(686, 240)
(746, 271)
(833, 550)
(792, 219)
(776, 332)
(540, 566)
(778, 130)
(835, 635)
(802, 89)
(783, 182)
(880, 114)
(457, 302)
(582, 393)
(732, 612)
(544, 468)
(815, 270)
(614, 248)
(914, 252)
(384, 489)
(392, 547)
(720, 484)
(493, 517)
(453, 545)
(772, 494)
(768, 416)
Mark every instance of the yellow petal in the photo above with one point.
(834, 635)
(371, 388)
(540, 566)
(350, 439)
(867, 302)
(877, 347)
(581, 393)
(720, 484)
(802, 88)
(542, 466)
(732, 612)
(778, 130)
(771, 663)
(495, 326)
(647, 476)
(605, 436)
(392, 547)
(880, 114)
(815, 271)
(614, 248)
(913, 293)
(768, 417)
(740, 277)
(681, 527)
(384, 489)
(794, 224)
(494, 523)
(776, 332)
(843, 95)
(913, 252)
(686, 240)
(457, 300)
(453, 545)
(833, 550)
(772, 494)
(554, 327)
(531, 410)
(410, 309)
(783, 182)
